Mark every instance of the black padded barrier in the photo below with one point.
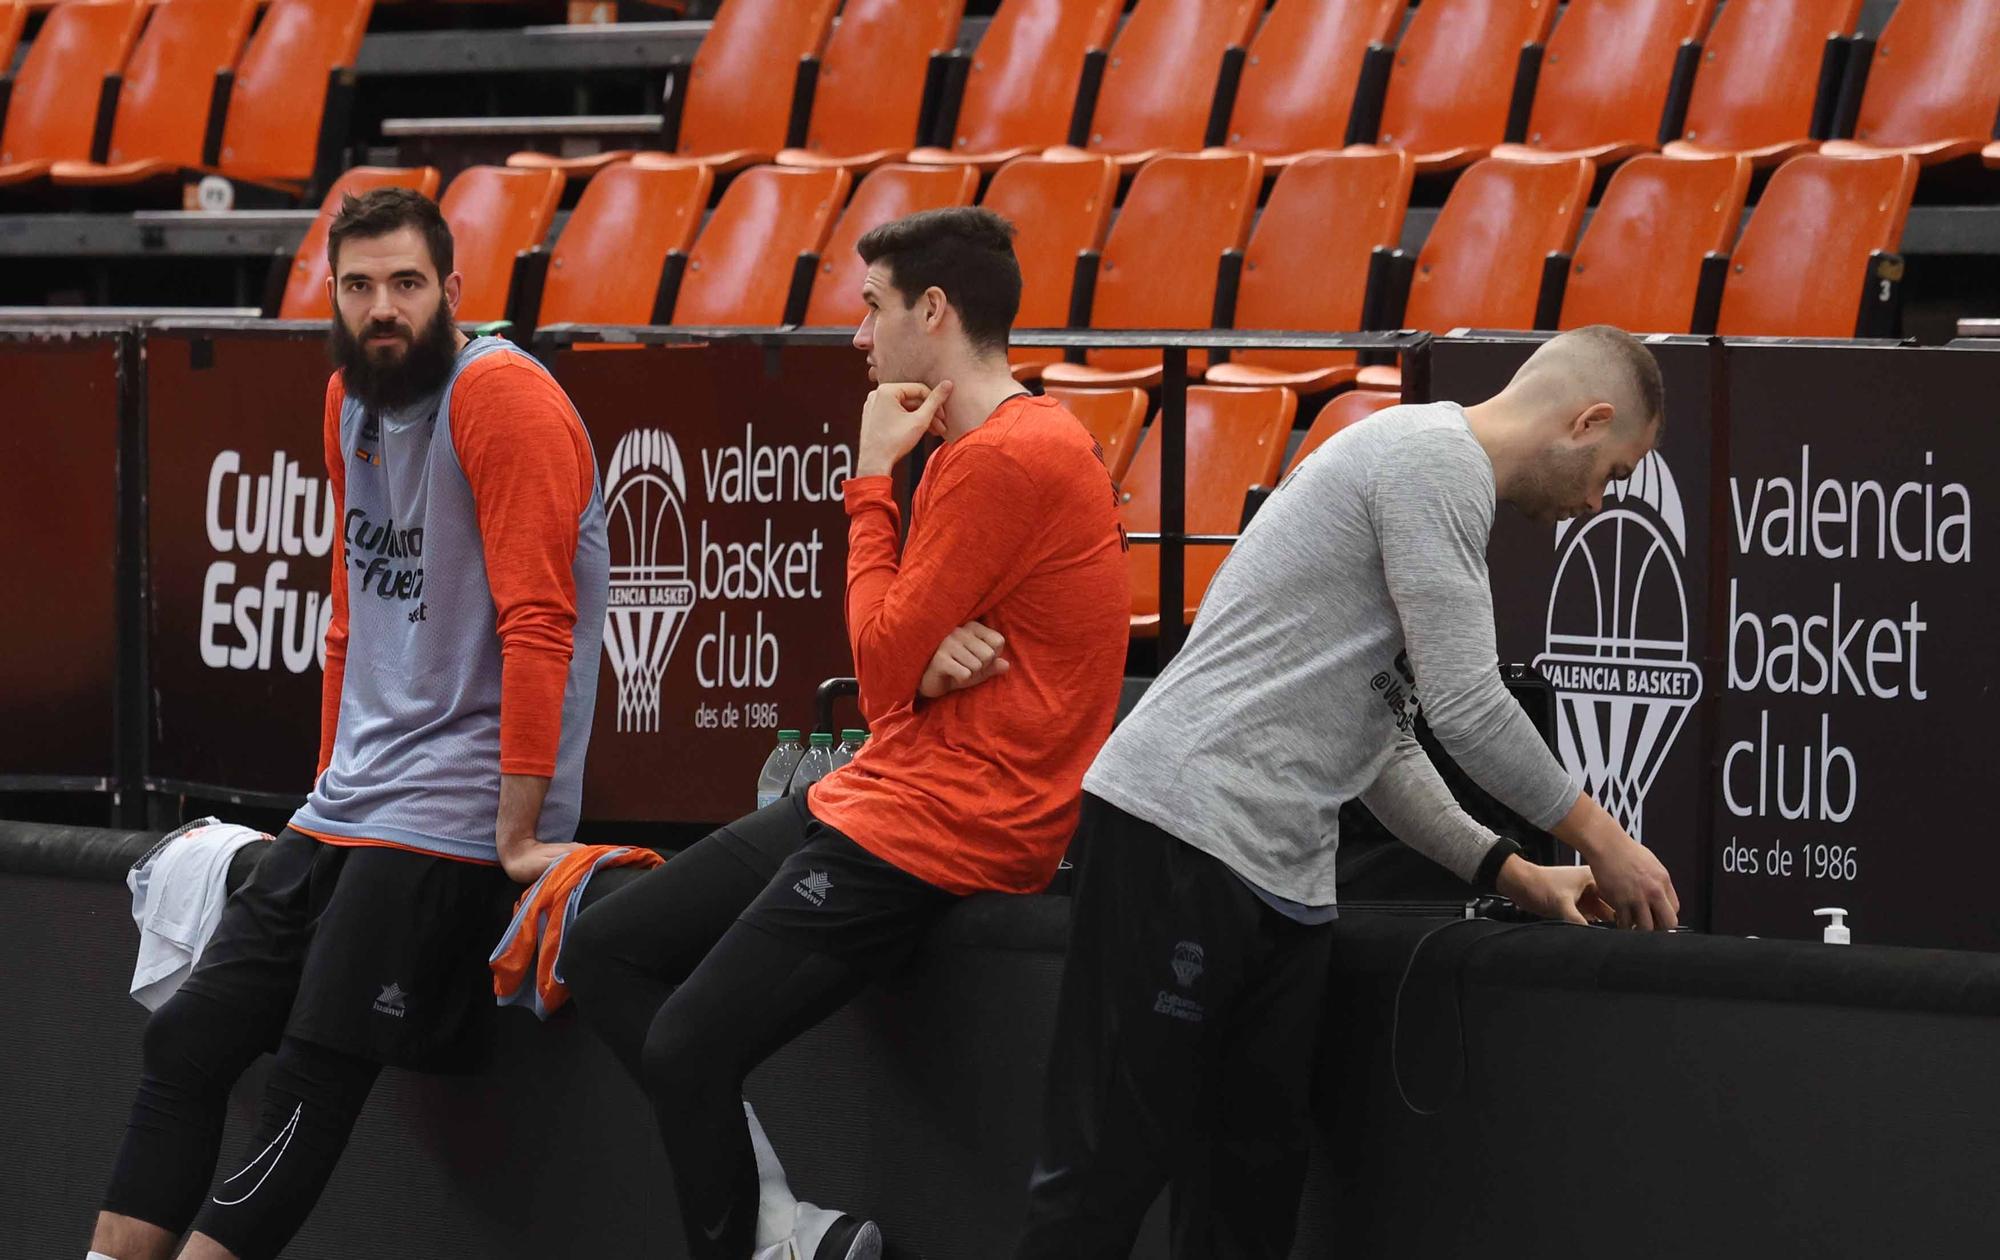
(1657, 1096)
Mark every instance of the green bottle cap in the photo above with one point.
(788, 737)
(821, 739)
(853, 737)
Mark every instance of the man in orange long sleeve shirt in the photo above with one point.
(990, 648)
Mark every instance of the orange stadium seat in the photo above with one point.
(1301, 73)
(869, 101)
(606, 267)
(1113, 416)
(495, 213)
(1235, 440)
(284, 84)
(13, 17)
(1161, 263)
(52, 114)
(1021, 88)
(1639, 264)
(1933, 84)
(1160, 82)
(305, 281)
(1604, 86)
(1453, 78)
(1760, 79)
(168, 90)
(1060, 210)
(744, 265)
(889, 192)
(1802, 265)
(736, 103)
(1308, 262)
(1482, 265)
(1340, 411)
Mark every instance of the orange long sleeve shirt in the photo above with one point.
(1015, 525)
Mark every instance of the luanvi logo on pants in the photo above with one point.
(814, 887)
(645, 496)
(391, 1001)
(1618, 640)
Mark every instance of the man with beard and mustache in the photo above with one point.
(1196, 972)
(469, 584)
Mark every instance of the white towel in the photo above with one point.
(178, 891)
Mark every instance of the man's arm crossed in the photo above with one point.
(961, 559)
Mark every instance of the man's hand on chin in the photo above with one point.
(893, 420)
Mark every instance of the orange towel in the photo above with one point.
(532, 943)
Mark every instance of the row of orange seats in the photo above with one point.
(1601, 91)
(1237, 443)
(634, 214)
(779, 248)
(1662, 253)
(1614, 79)
(177, 86)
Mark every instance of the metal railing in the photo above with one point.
(1411, 348)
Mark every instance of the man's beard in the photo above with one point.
(1559, 485)
(389, 385)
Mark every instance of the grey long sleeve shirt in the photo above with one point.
(1361, 579)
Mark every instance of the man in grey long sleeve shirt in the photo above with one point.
(1198, 950)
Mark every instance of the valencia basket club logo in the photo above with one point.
(645, 499)
(1617, 640)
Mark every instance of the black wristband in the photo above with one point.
(1488, 873)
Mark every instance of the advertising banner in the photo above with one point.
(722, 469)
(1855, 763)
(59, 433)
(241, 527)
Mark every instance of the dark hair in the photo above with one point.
(1641, 369)
(966, 251)
(381, 211)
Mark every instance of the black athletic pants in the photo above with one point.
(1185, 1034)
(339, 959)
(702, 968)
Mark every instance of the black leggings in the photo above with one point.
(691, 998)
(194, 1050)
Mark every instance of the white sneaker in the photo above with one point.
(823, 1234)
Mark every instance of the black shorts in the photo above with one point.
(827, 894)
(377, 952)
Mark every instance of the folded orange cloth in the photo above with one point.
(532, 943)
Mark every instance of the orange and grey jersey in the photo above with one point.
(469, 584)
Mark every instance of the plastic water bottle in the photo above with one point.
(778, 767)
(816, 764)
(850, 744)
